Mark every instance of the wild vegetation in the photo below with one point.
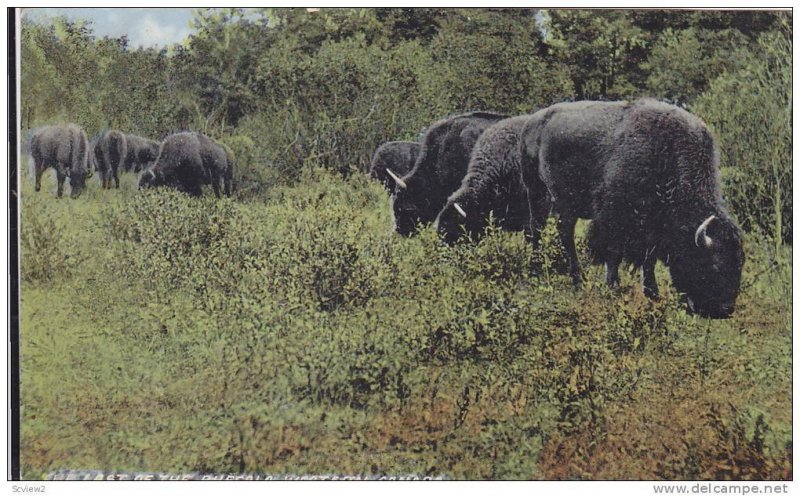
(288, 330)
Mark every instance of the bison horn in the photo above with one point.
(460, 210)
(701, 232)
(397, 179)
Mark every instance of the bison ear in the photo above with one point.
(460, 210)
(701, 236)
(400, 182)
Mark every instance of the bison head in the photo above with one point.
(150, 178)
(387, 177)
(411, 204)
(707, 268)
(459, 216)
(77, 183)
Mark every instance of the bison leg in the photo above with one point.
(60, 177)
(116, 180)
(538, 210)
(566, 231)
(536, 221)
(649, 285)
(215, 184)
(39, 171)
(612, 272)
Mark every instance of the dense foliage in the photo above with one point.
(300, 335)
(288, 330)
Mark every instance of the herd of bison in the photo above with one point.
(646, 173)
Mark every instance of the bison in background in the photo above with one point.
(65, 148)
(647, 174)
(442, 162)
(393, 157)
(108, 153)
(189, 160)
(142, 153)
(492, 186)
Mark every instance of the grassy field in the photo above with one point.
(295, 333)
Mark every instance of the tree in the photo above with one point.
(682, 63)
(216, 67)
(603, 50)
(750, 109)
(490, 59)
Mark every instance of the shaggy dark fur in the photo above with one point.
(189, 160)
(65, 149)
(647, 174)
(142, 153)
(399, 156)
(492, 186)
(441, 165)
(109, 152)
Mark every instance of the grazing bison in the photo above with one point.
(492, 186)
(66, 149)
(647, 174)
(397, 156)
(142, 152)
(189, 160)
(440, 166)
(108, 153)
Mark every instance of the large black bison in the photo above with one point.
(66, 149)
(108, 153)
(647, 174)
(189, 160)
(442, 163)
(142, 153)
(492, 186)
(395, 156)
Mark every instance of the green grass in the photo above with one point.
(295, 333)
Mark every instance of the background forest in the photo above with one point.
(287, 88)
(288, 330)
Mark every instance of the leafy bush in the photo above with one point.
(308, 315)
(47, 244)
(205, 244)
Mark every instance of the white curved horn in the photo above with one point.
(396, 178)
(152, 174)
(460, 210)
(701, 231)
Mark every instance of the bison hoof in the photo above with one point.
(651, 293)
